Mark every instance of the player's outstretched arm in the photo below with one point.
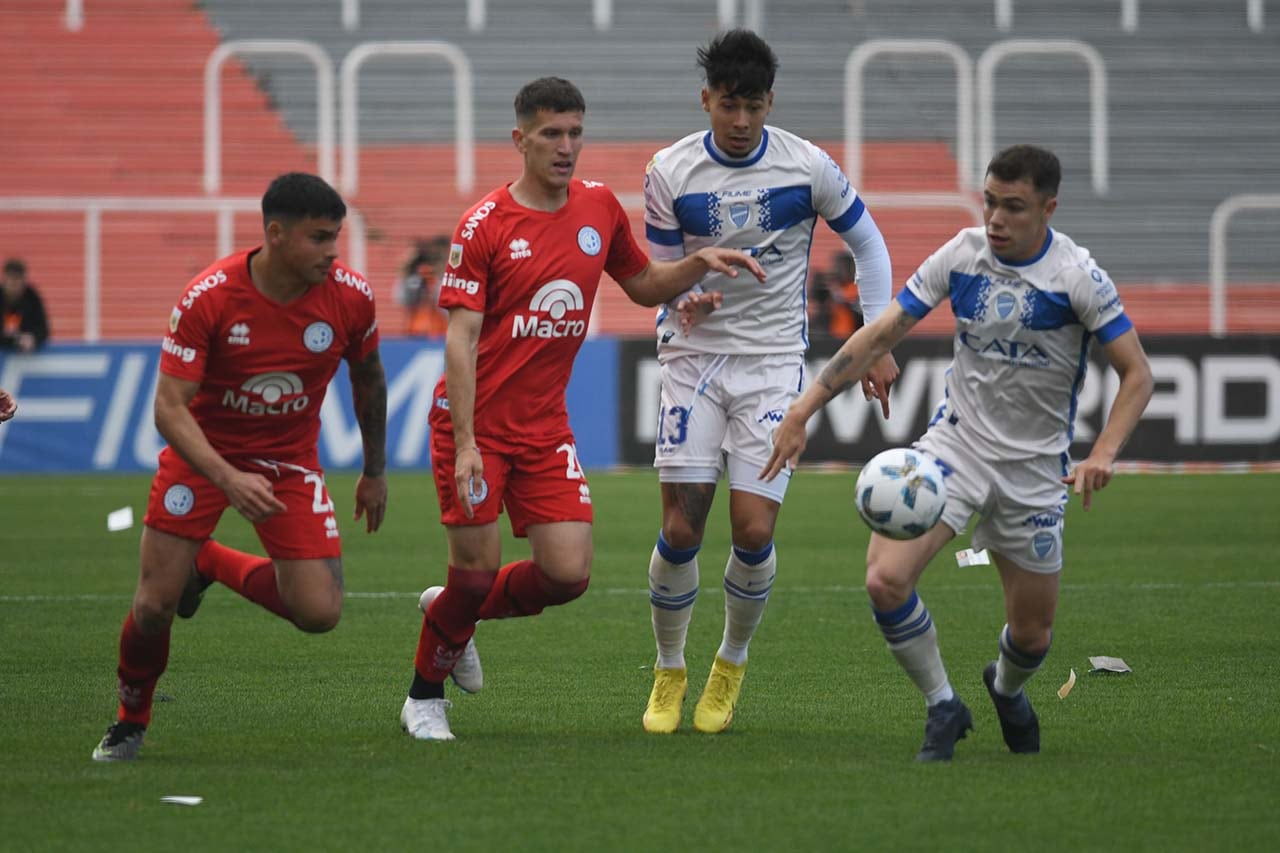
(461, 344)
(1130, 362)
(369, 398)
(662, 281)
(8, 406)
(250, 494)
(847, 366)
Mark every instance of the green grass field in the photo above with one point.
(294, 743)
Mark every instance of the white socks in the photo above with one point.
(914, 643)
(673, 588)
(748, 577)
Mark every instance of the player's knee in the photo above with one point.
(753, 536)
(152, 615)
(1033, 637)
(318, 618)
(562, 592)
(680, 533)
(886, 590)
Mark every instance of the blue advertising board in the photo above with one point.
(84, 408)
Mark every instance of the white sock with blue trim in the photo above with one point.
(914, 643)
(1014, 667)
(673, 588)
(748, 577)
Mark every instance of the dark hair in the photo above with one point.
(740, 62)
(554, 94)
(298, 195)
(13, 266)
(1040, 165)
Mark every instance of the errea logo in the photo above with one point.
(520, 249)
(549, 305)
(239, 334)
(276, 393)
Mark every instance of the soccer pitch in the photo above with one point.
(293, 740)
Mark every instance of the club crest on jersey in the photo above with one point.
(1005, 303)
(739, 213)
(174, 319)
(455, 255)
(589, 240)
(477, 497)
(179, 499)
(1043, 543)
(318, 337)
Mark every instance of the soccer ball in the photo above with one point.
(901, 493)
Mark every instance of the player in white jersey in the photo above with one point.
(1028, 302)
(727, 382)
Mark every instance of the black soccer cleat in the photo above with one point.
(1018, 721)
(947, 723)
(193, 593)
(121, 742)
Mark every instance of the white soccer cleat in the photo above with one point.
(426, 719)
(467, 673)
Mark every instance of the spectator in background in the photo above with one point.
(418, 288)
(26, 328)
(845, 308)
(8, 406)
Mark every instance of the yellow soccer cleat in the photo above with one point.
(714, 712)
(662, 717)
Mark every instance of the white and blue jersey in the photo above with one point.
(1022, 336)
(766, 204)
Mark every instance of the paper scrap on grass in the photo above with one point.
(120, 519)
(1066, 688)
(183, 801)
(1102, 663)
(970, 557)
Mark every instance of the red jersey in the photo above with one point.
(264, 367)
(534, 275)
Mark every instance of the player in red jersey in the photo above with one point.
(523, 270)
(250, 351)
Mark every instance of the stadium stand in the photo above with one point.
(116, 109)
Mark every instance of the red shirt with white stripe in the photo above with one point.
(264, 367)
(534, 275)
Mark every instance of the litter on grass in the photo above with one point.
(1102, 663)
(182, 801)
(1066, 688)
(970, 557)
(120, 519)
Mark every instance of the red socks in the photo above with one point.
(523, 589)
(449, 623)
(142, 661)
(252, 576)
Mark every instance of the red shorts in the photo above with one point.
(184, 503)
(536, 483)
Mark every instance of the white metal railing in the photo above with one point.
(853, 68)
(1001, 50)
(94, 206)
(1128, 15)
(752, 14)
(478, 14)
(350, 14)
(213, 101)
(1218, 253)
(464, 106)
(74, 17)
(1254, 13)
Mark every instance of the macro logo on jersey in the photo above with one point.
(275, 393)
(179, 499)
(239, 334)
(550, 307)
(589, 240)
(317, 337)
(209, 282)
(474, 220)
(520, 249)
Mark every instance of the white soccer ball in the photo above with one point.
(901, 493)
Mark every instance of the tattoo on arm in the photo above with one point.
(369, 396)
(334, 565)
(831, 377)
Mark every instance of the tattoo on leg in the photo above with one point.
(693, 501)
(334, 564)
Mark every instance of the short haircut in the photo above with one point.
(554, 94)
(297, 195)
(739, 62)
(1039, 165)
(14, 266)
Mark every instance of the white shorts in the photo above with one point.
(1021, 503)
(718, 407)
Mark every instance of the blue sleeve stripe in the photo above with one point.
(663, 236)
(849, 218)
(912, 304)
(1114, 329)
